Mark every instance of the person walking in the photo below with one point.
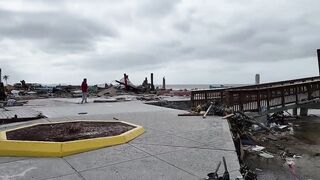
(84, 89)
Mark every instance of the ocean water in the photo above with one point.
(196, 86)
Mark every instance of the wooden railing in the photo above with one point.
(201, 97)
(279, 83)
(264, 96)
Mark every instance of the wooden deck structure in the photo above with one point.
(273, 96)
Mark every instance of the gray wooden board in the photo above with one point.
(10, 113)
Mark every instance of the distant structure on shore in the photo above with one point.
(257, 79)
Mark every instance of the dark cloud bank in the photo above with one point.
(160, 36)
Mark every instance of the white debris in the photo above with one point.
(282, 126)
(227, 116)
(11, 102)
(290, 161)
(291, 132)
(257, 148)
(266, 155)
(272, 125)
(15, 93)
(296, 156)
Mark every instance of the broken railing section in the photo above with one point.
(272, 98)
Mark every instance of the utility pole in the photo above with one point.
(0, 76)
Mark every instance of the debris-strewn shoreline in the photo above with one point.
(278, 148)
(269, 146)
(273, 146)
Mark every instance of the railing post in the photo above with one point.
(297, 96)
(282, 97)
(240, 100)
(258, 100)
(227, 99)
(192, 99)
(309, 91)
(206, 96)
(295, 110)
(318, 53)
(319, 89)
(268, 99)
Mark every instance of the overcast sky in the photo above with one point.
(188, 42)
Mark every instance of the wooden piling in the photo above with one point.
(163, 83)
(257, 79)
(303, 111)
(152, 85)
(318, 52)
(295, 111)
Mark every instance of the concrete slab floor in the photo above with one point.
(142, 169)
(35, 168)
(171, 148)
(68, 177)
(104, 157)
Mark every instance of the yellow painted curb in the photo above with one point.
(60, 149)
(3, 135)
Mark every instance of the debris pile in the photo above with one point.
(262, 136)
(209, 109)
(118, 90)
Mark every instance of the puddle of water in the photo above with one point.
(308, 130)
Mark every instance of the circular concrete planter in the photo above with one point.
(59, 149)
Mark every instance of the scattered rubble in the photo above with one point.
(210, 109)
(17, 94)
(264, 137)
(110, 91)
(177, 104)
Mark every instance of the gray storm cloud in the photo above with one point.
(56, 31)
(177, 38)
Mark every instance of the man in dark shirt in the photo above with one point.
(84, 89)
